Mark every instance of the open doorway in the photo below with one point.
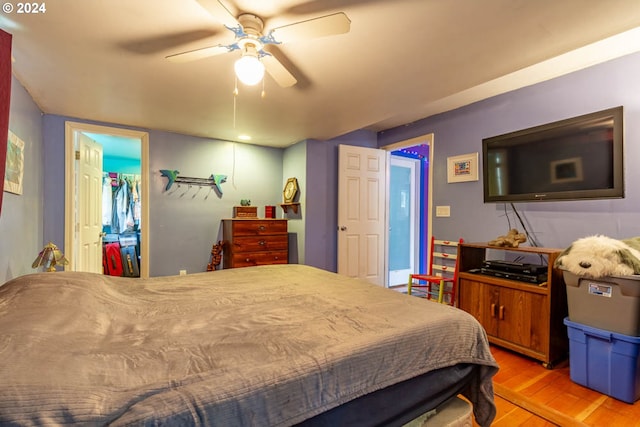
(404, 217)
(83, 208)
(409, 228)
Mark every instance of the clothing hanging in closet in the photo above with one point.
(107, 201)
(121, 206)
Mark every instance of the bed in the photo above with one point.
(276, 345)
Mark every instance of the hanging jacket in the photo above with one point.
(107, 201)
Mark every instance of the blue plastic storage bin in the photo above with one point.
(604, 361)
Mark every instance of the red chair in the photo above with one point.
(441, 281)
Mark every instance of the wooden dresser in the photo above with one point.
(253, 241)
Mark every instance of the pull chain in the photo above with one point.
(235, 97)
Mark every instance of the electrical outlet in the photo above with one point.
(443, 211)
(183, 272)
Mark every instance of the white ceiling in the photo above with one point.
(401, 61)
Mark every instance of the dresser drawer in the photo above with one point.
(259, 258)
(258, 227)
(273, 242)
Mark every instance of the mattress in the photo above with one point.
(270, 345)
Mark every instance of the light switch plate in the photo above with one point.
(444, 211)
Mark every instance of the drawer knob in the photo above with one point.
(275, 257)
(247, 260)
(262, 243)
(262, 228)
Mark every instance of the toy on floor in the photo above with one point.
(216, 256)
(599, 256)
(511, 240)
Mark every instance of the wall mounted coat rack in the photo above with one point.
(215, 180)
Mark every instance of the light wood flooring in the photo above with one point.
(527, 394)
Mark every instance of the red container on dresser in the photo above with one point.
(269, 211)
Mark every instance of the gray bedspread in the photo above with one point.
(263, 346)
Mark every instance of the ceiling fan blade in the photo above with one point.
(196, 54)
(279, 72)
(337, 23)
(220, 13)
(169, 42)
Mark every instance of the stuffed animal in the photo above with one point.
(216, 256)
(600, 256)
(511, 240)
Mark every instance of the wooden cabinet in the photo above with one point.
(250, 242)
(520, 316)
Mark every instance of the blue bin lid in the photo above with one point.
(601, 333)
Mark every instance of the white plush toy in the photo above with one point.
(599, 256)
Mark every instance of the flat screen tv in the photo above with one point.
(573, 159)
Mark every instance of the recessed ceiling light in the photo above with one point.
(244, 137)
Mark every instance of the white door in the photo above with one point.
(89, 256)
(404, 225)
(361, 213)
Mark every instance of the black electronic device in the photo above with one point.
(521, 277)
(515, 267)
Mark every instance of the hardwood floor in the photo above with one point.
(527, 394)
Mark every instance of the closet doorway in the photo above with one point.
(83, 209)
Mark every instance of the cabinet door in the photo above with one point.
(476, 299)
(520, 318)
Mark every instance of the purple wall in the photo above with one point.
(553, 224)
(22, 214)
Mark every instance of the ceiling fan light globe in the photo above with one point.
(249, 70)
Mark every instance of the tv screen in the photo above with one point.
(577, 158)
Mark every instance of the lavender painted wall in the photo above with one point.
(554, 224)
(21, 221)
(322, 214)
(53, 167)
(295, 166)
(184, 224)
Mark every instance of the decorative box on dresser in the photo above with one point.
(517, 315)
(252, 241)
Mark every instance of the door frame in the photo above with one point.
(414, 165)
(427, 139)
(70, 202)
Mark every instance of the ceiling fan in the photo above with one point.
(250, 39)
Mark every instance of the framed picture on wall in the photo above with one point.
(14, 166)
(462, 168)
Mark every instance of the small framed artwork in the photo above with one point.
(14, 168)
(462, 168)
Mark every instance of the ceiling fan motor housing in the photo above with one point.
(252, 26)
